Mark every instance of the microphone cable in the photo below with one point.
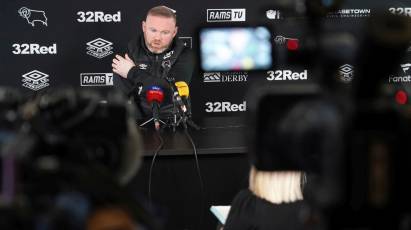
(198, 172)
(152, 165)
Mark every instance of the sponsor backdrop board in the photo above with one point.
(46, 44)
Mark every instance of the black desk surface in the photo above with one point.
(221, 135)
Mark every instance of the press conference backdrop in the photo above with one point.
(47, 44)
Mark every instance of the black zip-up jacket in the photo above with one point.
(149, 71)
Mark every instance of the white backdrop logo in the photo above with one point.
(225, 77)
(273, 14)
(96, 79)
(346, 73)
(405, 67)
(401, 77)
(404, 11)
(282, 75)
(350, 13)
(99, 48)
(98, 16)
(35, 80)
(225, 106)
(225, 15)
(33, 48)
(33, 16)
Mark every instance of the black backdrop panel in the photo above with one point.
(54, 37)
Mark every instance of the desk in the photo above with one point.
(221, 135)
(175, 185)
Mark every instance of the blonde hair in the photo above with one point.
(276, 186)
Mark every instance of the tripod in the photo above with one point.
(155, 122)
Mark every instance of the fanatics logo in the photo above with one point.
(99, 48)
(405, 67)
(96, 79)
(225, 15)
(35, 80)
(33, 16)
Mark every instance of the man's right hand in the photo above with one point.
(121, 65)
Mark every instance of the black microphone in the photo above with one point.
(176, 96)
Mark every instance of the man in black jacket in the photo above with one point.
(155, 58)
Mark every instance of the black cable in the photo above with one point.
(198, 172)
(152, 165)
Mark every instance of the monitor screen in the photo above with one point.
(235, 48)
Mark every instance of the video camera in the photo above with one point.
(72, 156)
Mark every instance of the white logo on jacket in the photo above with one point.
(142, 66)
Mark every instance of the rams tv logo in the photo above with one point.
(225, 15)
(96, 79)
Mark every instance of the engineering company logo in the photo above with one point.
(96, 79)
(226, 15)
(33, 16)
(99, 48)
(346, 73)
(350, 13)
(282, 75)
(225, 106)
(35, 80)
(98, 16)
(225, 77)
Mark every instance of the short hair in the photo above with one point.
(163, 11)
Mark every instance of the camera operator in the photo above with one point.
(144, 63)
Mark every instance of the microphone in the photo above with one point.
(170, 79)
(183, 92)
(183, 89)
(155, 97)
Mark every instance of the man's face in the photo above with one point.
(159, 32)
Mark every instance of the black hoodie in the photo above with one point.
(148, 71)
